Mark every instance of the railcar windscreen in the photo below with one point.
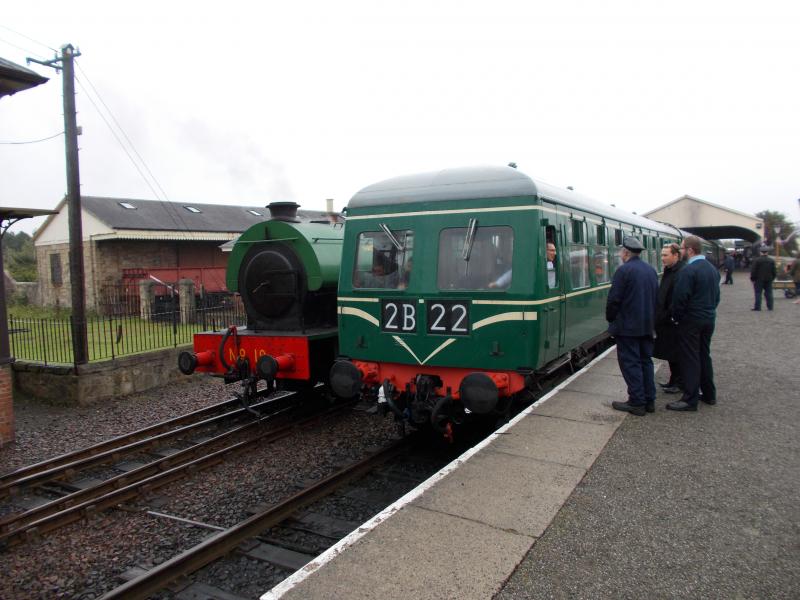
(382, 262)
(489, 262)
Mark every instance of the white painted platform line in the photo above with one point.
(287, 584)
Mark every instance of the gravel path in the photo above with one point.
(43, 431)
(692, 505)
(85, 559)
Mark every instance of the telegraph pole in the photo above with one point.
(80, 348)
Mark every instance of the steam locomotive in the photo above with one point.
(286, 272)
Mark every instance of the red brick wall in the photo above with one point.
(6, 406)
(105, 260)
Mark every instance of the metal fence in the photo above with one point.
(49, 341)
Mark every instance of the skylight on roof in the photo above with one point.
(255, 212)
(192, 209)
(127, 205)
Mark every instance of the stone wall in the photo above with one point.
(6, 406)
(96, 382)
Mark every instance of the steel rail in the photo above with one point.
(89, 506)
(220, 544)
(13, 487)
(15, 521)
(122, 440)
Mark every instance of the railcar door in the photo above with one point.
(553, 311)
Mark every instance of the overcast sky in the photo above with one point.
(630, 102)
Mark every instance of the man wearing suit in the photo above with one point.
(762, 274)
(694, 309)
(630, 311)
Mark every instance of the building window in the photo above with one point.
(192, 209)
(127, 205)
(255, 212)
(55, 269)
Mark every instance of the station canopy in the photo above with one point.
(708, 220)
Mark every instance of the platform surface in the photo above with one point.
(576, 500)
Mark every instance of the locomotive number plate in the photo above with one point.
(448, 317)
(398, 316)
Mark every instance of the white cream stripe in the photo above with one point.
(455, 211)
(404, 345)
(357, 312)
(508, 316)
(345, 299)
(439, 349)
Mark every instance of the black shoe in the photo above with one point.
(650, 407)
(682, 406)
(673, 389)
(709, 401)
(628, 407)
(757, 309)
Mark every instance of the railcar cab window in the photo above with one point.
(384, 259)
(475, 257)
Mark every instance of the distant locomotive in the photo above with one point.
(448, 304)
(286, 272)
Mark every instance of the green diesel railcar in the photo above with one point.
(448, 304)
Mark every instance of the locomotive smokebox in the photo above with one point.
(345, 379)
(479, 394)
(284, 211)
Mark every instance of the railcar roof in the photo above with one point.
(487, 182)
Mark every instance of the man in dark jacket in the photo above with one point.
(630, 310)
(694, 308)
(666, 346)
(728, 265)
(762, 274)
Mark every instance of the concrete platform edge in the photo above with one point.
(289, 583)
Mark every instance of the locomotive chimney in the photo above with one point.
(284, 211)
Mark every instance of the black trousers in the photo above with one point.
(766, 288)
(696, 367)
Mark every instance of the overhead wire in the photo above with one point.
(28, 38)
(170, 208)
(32, 141)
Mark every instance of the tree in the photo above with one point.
(773, 220)
(19, 256)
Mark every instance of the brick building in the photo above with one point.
(127, 240)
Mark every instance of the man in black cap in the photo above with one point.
(694, 310)
(630, 311)
(762, 274)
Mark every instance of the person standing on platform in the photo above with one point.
(694, 310)
(728, 265)
(630, 311)
(762, 274)
(666, 346)
(794, 272)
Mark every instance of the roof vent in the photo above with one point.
(192, 209)
(284, 211)
(127, 205)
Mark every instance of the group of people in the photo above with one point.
(681, 310)
(763, 272)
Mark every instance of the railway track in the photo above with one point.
(231, 539)
(82, 501)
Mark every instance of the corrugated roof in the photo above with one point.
(172, 216)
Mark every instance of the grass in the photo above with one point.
(48, 339)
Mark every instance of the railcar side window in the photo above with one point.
(488, 264)
(380, 264)
(600, 264)
(578, 267)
